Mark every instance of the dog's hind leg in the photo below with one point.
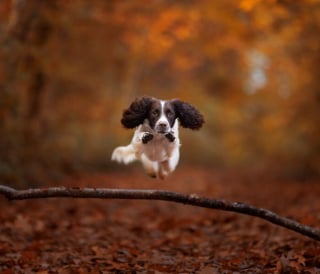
(150, 167)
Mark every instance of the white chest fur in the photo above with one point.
(159, 149)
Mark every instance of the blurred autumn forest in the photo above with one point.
(69, 68)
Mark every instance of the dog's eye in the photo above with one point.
(169, 114)
(155, 113)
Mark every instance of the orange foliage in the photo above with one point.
(69, 68)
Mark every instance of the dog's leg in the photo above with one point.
(146, 137)
(166, 167)
(174, 159)
(170, 137)
(150, 167)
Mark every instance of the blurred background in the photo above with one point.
(69, 68)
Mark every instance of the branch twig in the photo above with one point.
(140, 194)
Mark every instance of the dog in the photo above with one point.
(156, 140)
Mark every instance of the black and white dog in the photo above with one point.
(156, 139)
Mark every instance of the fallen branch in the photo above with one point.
(139, 194)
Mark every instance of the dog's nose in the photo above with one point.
(162, 127)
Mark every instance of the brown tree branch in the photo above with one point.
(163, 195)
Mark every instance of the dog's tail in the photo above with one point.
(124, 154)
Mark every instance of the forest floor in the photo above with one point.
(61, 235)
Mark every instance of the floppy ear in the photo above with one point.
(136, 113)
(189, 116)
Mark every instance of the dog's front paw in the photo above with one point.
(147, 137)
(170, 137)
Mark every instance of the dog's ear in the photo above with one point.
(136, 113)
(189, 116)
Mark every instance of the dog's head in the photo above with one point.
(161, 114)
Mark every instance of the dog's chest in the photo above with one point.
(159, 148)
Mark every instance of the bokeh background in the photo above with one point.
(69, 68)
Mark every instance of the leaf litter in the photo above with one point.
(128, 236)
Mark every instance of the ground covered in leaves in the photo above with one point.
(126, 236)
